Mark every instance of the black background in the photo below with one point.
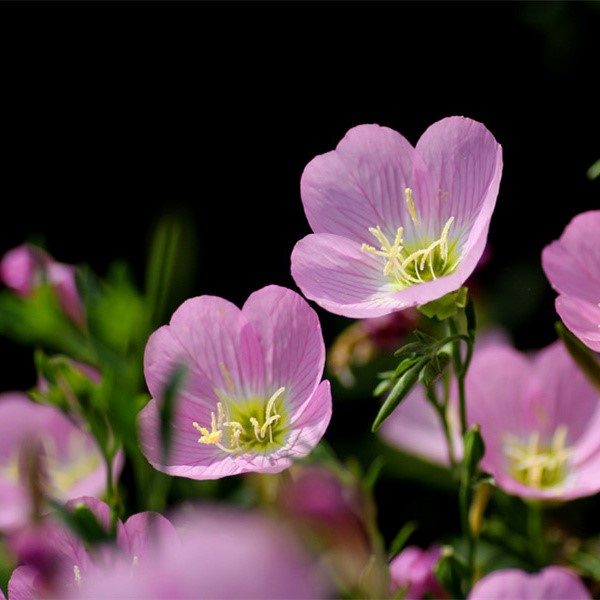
(113, 113)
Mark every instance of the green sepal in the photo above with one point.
(581, 354)
(447, 306)
(451, 572)
(400, 390)
(474, 450)
(83, 522)
(434, 369)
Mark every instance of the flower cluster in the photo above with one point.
(111, 466)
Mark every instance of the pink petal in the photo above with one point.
(21, 585)
(551, 583)
(582, 318)
(572, 263)
(145, 532)
(463, 162)
(213, 339)
(291, 340)
(334, 272)
(563, 395)
(360, 184)
(309, 426)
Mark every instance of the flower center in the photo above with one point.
(411, 264)
(536, 464)
(246, 426)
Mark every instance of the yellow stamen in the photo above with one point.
(536, 464)
(411, 205)
(218, 422)
(77, 575)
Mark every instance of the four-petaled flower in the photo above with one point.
(251, 399)
(572, 265)
(396, 226)
(539, 418)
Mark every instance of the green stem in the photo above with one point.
(440, 408)
(460, 370)
(535, 532)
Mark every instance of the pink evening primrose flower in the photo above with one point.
(540, 420)
(57, 564)
(68, 459)
(413, 573)
(572, 265)
(396, 226)
(551, 583)
(251, 399)
(223, 553)
(25, 267)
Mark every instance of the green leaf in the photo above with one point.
(581, 354)
(594, 170)
(402, 537)
(400, 390)
(171, 264)
(82, 521)
(447, 306)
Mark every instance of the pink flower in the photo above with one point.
(66, 459)
(396, 226)
(24, 268)
(251, 399)
(56, 563)
(413, 571)
(540, 420)
(551, 583)
(572, 265)
(224, 553)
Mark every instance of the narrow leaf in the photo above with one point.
(399, 392)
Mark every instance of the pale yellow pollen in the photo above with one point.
(539, 465)
(77, 575)
(407, 267)
(217, 423)
(411, 205)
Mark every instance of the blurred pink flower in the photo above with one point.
(26, 267)
(551, 583)
(40, 446)
(396, 226)
(224, 553)
(540, 420)
(572, 265)
(413, 571)
(251, 399)
(56, 563)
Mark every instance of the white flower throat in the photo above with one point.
(408, 265)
